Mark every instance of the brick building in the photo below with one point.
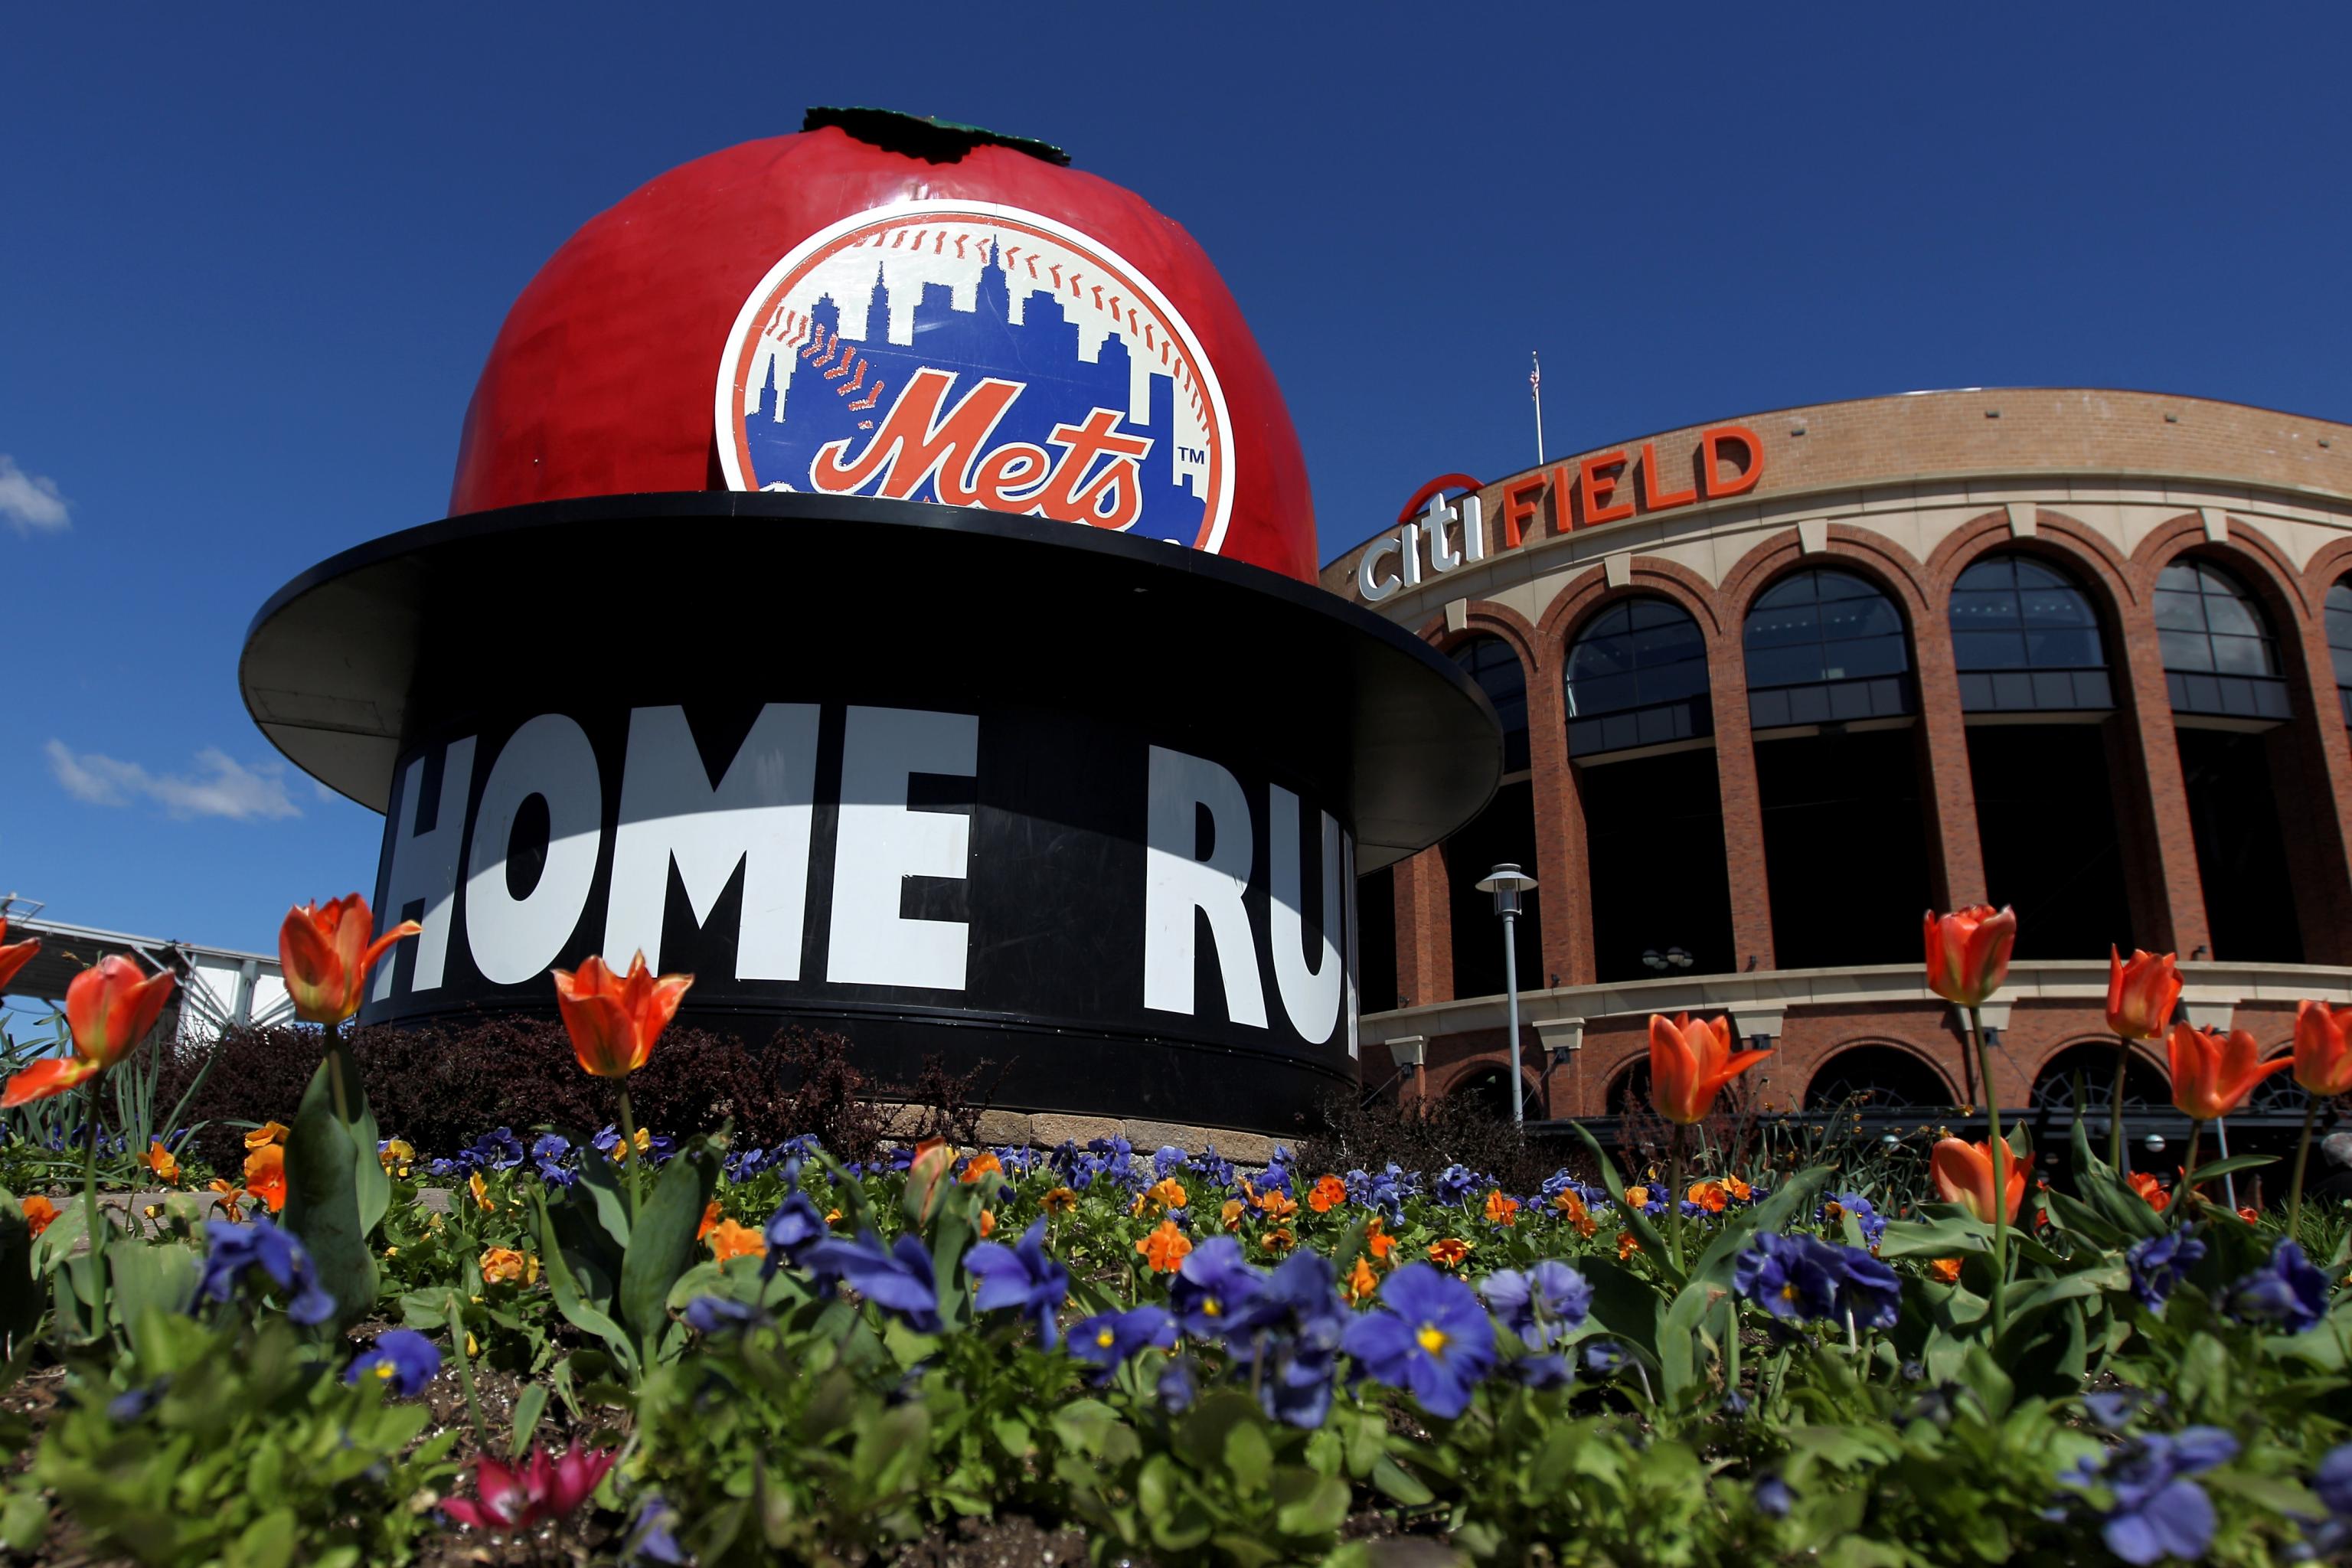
(1775, 686)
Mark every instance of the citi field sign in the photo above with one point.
(860, 679)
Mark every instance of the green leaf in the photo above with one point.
(267, 1543)
(1307, 1504)
(1951, 1231)
(527, 1412)
(337, 1089)
(149, 1280)
(1399, 1485)
(1248, 1455)
(24, 1522)
(322, 1206)
(597, 1200)
(662, 1245)
(578, 1311)
(1084, 1424)
(1623, 1303)
(1635, 1220)
(2228, 1167)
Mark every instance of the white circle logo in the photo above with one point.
(976, 355)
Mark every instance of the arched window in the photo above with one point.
(1629, 1092)
(2092, 1064)
(2220, 657)
(1826, 646)
(1491, 662)
(1637, 677)
(2025, 640)
(1875, 1077)
(1490, 1089)
(2339, 640)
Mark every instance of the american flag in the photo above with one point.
(1535, 378)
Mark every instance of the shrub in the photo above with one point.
(1427, 1135)
(441, 1087)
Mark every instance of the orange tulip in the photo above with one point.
(264, 1176)
(2212, 1075)
(1968, 953)
(2150, 1190)
(1964, 1175)
(2323, 1049)
(1690, 1063)
(2141, 994)
(326, 955)
(39, 1214)
(614, 1019)
(110, 1008)
(13, 956)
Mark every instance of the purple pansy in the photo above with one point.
(1022, 1278)
(1429, 1335)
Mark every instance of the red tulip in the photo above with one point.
(1964, 1175)
(2323, 1049)
(614, 1019)
(2141, 994)
(1690, 1063)
(541, 1487)
(326, 955)
(110, 1008)
(15, 956)
(2211, 1076)
(1968, 953)
(926, 1179)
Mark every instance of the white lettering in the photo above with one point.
(1434, 523)
(880, 843)
(514, 939)
(760, 814)
(1176, 883)
(1310, 996)
(424, 864)
(1369, 582)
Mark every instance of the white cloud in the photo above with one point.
(221, 786)
(30, 503)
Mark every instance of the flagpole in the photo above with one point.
(1535, 385)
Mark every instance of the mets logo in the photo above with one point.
(975, 354)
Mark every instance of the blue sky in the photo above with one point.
(252, 262)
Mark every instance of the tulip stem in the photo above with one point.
(1674, 1188)
(466, 1374)
(2189, 1166)
(2115, 1106)
(2301, 1152)
(1999, 1181)
(90, 1219)
(629, 1154)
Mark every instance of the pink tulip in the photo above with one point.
(541, 1487)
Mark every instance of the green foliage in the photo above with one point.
(333, 1181)
(249, 1453)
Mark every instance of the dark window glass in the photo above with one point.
(1824, 628)
(2012, 614)
(1645, 661)
(2339, 637)
(2209, 623)
(1490, 662)
(2220, 656)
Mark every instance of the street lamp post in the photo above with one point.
(1507, 882)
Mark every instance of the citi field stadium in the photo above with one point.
(1774, 687)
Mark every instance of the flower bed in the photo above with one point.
(605, 1344)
